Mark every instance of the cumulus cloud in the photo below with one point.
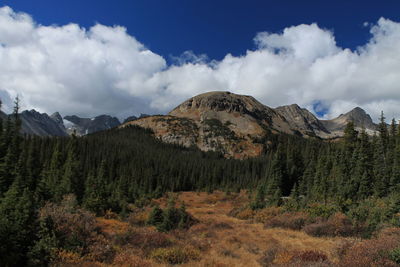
(105, 70)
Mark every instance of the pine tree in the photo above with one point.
(96, 195)
(156, 216)
(44, 249)
(17, 224)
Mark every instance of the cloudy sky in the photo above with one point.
(82, 69)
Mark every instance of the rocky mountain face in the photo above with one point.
(218, 121)
(132, 118)
(41, 124)
(303, 120)
(235, 125)
(82, 126)
(357, 115)
(35, 123)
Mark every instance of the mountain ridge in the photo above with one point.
(234, 124)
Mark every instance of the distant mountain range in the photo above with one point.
(232, 124)
(235, 125)
(36, 123)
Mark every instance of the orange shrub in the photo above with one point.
(263, 215)
(337, 225)
(245, 214)
(294, 221)
(373, 252)
(309, 256)
(138, 218)
(268, 257)
(175, 255)
(144, 239)
(77, 230)
(128, 258)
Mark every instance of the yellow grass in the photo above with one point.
(227, 241)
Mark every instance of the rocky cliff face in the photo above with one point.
(303, 120)
(41, 124)
(82, 126)
(357, 115)
(235, 124)
(35, 123)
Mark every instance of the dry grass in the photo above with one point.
(220, 240)
(236, 242)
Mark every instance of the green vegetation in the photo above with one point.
(217, 128)
(170, 218)
(358, 177)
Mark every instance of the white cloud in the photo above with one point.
(105, 70)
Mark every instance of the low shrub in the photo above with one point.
(319, 210)
(100, 250)
(175, 255)
(221, 225)
(76, 229)
(263, 215)
(138, 218)
(143, 239)
(374, 252)
(228, 253)
(394, 255)
(293, 221)
(337, 225)
(128, 258)
(170, 218)
(245, 214)
(268, 257)
(309, 256)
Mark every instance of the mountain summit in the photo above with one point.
(357, 115)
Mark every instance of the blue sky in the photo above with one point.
(129, 57)
(212, 27)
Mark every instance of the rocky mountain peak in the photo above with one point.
(220, 101)
(82, 126)
(36, 123)
(57, 118)
(302, 120)
(357, 115)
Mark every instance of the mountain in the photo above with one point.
(237, 125)
(357, 115)
(303, 120)
(218, 121)
(132, 118)
(82, 126)
(35, 123)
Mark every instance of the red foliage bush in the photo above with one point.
(144, 239)
(373, 252)
(129, 258)
(294, 221)
(337, 225)
(310, 256)
(77, 230)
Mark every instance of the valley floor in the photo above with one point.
(242, 243)
(219, 240)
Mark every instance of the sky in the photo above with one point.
(146, 56)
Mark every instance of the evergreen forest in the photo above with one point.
(358, 175)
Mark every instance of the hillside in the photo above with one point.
(236, 125)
